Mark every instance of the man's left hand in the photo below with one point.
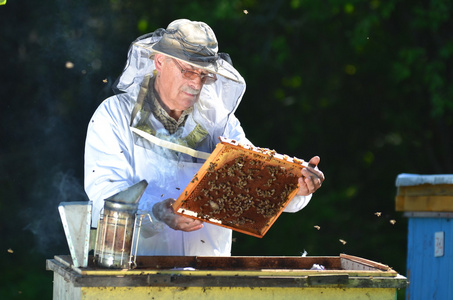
(311, 179)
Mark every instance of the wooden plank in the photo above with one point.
(239, 266)
(399, 203)
(426, 190)
(327, 279)
(185, 279)
(64, 289)
(278, 273)
(237, 262)
(424, 203)
(229, 293)
(266, 262)
(350, 262)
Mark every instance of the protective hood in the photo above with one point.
(211, 112)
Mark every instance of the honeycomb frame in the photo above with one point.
(241, 187)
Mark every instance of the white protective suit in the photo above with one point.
(116, 158)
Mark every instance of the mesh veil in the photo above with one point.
(217, 101)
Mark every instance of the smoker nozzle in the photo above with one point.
(131, 195)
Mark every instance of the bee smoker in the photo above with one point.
(116, 227)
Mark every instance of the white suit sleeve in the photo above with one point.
(108, 155)
(110, 161)
(297, 203)
(234, 131)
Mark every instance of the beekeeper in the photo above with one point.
(177, 88)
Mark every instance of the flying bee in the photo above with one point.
(317, 227)
(378, 213)
(343, 242)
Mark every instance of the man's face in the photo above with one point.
(176, 92)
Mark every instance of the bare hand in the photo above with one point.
(311, 179)
(163, 211)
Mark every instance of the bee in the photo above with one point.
(317, 227)
(297, 160)
(392, 222)
(214, 205)
(212, 166)
(343, 242)
(378, 213)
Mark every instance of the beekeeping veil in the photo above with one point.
(193, 43)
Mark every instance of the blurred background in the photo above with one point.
(366, 85)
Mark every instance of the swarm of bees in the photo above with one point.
(245, 191)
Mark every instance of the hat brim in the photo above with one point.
(218, 68)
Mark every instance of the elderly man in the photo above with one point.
(181, 91)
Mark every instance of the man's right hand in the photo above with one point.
(164, 212)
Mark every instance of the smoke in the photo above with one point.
(43, 219)
(66, 83)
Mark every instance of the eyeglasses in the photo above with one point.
(191, 75)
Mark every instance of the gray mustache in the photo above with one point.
(190, 90)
